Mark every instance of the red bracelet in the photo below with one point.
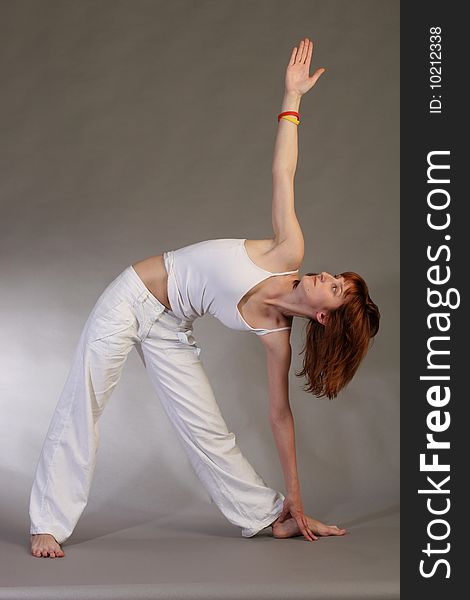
(288, 112)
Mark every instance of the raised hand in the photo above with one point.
(297, 77)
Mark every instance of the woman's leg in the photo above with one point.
(171, 357)
(68, 457)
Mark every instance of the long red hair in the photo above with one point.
(334, 351)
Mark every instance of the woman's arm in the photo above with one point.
(297, 83)
(278, 353)
(281, 419)
(284, 435)
(287, 230)
(286, 144)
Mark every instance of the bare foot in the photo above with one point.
(289, 528)
(45, 544)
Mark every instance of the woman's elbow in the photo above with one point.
(281, 418)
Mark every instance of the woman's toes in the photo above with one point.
(336, 530)
(45, 546)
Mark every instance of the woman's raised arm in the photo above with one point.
(297, 83)
(287, 230)
(286, 144)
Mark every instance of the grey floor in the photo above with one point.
(198, 554)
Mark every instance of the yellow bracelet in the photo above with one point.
(291, 119)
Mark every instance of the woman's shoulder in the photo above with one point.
(272, 256)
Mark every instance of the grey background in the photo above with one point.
(129, 128)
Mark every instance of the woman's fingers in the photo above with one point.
(305, 50)
(309, 54)
(312, 535)
(309, 536)
(302, 54)
(292, 57)
(306, 531)
(318, 73)
(298, 58)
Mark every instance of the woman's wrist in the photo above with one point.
(291, 101)
(293, 488)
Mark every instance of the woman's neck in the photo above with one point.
(286, 298)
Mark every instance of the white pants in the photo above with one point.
(127, 314)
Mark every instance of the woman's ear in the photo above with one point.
(322, 317)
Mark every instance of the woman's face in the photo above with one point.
(323, 291)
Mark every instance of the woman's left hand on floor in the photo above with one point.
(293, 508)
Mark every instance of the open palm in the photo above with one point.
(297, 77)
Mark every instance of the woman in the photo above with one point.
(250, 285)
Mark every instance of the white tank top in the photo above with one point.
(212, 277)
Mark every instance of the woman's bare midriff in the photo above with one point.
(154, 276)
